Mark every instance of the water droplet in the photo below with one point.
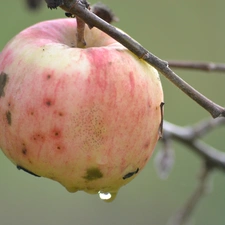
(104, 196)
(107, 196)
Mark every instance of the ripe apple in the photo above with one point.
(88, 118)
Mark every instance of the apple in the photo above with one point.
(88, 118)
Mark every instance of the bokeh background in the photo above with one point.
(171, 29)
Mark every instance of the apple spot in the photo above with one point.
(38, 137)
(128, 175)
(48, 102)
(49, 76)
(24, 151)
(60, 114)
(146, 145)
(60, 148)
(26, 170)
(93, 174)
(3, 81)
(57, 134)
(9, 117)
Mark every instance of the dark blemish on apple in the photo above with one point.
(161, 123)
(60, 114)
(56, 133)
(130, 174)
(93, 174)
(27, 171)
(24, 151)
(9, 117)
(4, 78)
(146, 145)
(38, 137)
(48, 103)
(48, 76)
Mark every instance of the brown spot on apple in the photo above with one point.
(49, 76)
(26, 170)
(128, 175)
(93, 174)
(60, 148)
(24, 151)
(38, 137)
(4, 78)
(9, 117)
(161, 123)
(48, 102)
(56, 133)
(60, 114)
(146, 145)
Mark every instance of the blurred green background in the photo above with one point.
(171, 29)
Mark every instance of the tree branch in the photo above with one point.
(189, 136)
(203, 66)
(77, 8)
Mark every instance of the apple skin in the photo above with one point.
(88, 118)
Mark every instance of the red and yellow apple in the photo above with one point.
(88, 118)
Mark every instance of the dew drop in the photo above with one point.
(107, 196)
(104, 196)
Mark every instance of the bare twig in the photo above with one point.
(185, 212)
(189, 136)
(203, 66)
(203, 127)
(77, 7)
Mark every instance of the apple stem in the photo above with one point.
(68, 5)
(80, 33)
